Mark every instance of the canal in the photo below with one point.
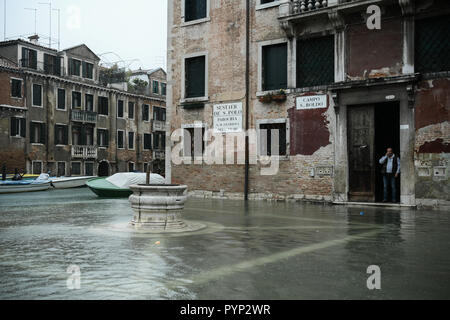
(256, 251)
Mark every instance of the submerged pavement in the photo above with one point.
(69, 244)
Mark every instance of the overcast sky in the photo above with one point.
(133, 29)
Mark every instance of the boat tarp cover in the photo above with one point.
(124, 180)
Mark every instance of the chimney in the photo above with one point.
(34, 39)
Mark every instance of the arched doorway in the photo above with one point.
(103, 169)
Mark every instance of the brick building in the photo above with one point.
(351, 90)
(55, 115)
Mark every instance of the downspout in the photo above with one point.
(247, 98)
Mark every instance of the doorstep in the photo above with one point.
(375, 204)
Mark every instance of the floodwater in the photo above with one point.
(257, 251)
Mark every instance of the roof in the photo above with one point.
(81, 45)
(150, 72)
(21, 41)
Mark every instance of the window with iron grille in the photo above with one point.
(37, 95)
(130, 110)
(194, 9)
(61, 134)
(103, 105)
(315, 62)
(18, 127)
(37, 167)
(16, 88)
(120, 109)
(76, 100)
(147, 141)
(37, 132)
(195, 77)
(274, 67)
(61, 105)
(267, 145)
(145, 112)
(432, 44)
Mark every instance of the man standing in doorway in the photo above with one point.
(390, 170)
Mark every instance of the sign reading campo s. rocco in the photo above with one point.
(228, 117)
(312, 102)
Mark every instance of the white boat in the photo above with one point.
(23, 186)
(69, 182)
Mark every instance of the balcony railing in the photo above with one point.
(159, 154)
(84, 152)
(83, 116)
(294, 7)
(159, 125)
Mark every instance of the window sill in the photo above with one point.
(103, 148)
(194, 22)
(37, 106)
(103, 115)
(61, 109)
(16, 98)
(267, 5)
(61, 145)
(17, 137)
(37, 144)
(263, 93)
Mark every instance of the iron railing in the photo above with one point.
(84, 152)
(83, 116)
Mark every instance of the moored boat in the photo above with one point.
(69, 182)
(118, 185)
(23, 186)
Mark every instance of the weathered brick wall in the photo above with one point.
(432, 143)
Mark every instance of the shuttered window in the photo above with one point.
(145, 112)
(37, 95)
(315, 62)
(267, 145)
(52, 64)
(155, 87)
(29, 58)
(131, 140)
(103, 105)
(37, 132)
(120, 139)
(147, 141)
(163, 89)
(432, 44)
(159, 140)
(130, 110)
(194, 9)
(120, 109)
(88, 70)
(18, 127)
(75, 67)
(76, 100)
(195, 77)
(61, 99)
(274, 67)
(16, 88)
(61, 135)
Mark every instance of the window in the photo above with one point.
(159, 140)
(88, 70)
(89, 168)
(130, 110)
(195, 77)
(102, 138)
(266, 1)
(155, 87)
(315, 62)
(159, 114)
(120, 139)
(145, 112)
(37, 95)
(29, 58)
(76, 169)
(37, 132)
(147, 141)
(61, 105)
(130, 166)
(36, 167)
(432, 44)
(76, 100)
(74, 67)
(61, 134)
(88, 135)
(194, 145)
(266, 143)
(274, 67)
(52, 64)
(103, 105)
(120, 109)
(131, 140)
(18, 127)
(61, 169)
(195, 9)
(163, 89)
(16, 88)
(89, 102)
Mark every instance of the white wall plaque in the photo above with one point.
(228, 117)
(312, 102)
(404, 127)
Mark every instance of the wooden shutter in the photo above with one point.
(66, 135)
(195, 77)
(106, 138)
(32, 137)
(23, 127)
(56, 135)
(84, 69)
(13, 126)
(275, 67)
(42, 133)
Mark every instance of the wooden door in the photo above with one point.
(361, 146)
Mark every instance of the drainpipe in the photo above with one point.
(247, 98)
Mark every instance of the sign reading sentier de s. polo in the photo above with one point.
(312, 102)
(228, 117)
